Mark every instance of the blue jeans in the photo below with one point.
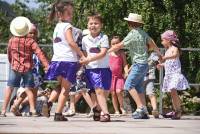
(16, 77)
(136, 77)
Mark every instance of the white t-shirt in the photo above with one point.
(62, 50)
(92, 47)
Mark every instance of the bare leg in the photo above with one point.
(101, 97)
(7, 96)
(115, 101)
(54, 95)
(88, 99)
(134, 94)
(175, 100)
(31, 99)
(94, 99)
(72, 102)
(153, 101)
(65, 85)
(121, 100)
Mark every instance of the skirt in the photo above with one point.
(174, 81)
(65, 69)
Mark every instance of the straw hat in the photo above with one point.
(20, 26)
(133, 17)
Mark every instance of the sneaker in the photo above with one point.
(123, 112)
(140, 114)
(117, 114)
(59, 117)
(34, 114)
(91, 113)
(155, 114)
(69, 113)
(15, 110)
(2, 114)
(177, 115)
(169, 115)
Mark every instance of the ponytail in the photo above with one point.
(58, 7)
(53, 12)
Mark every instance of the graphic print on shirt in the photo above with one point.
(57, 39)
(96, 49)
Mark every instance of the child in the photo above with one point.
(118, 65)
(77, 36)
(36, 75)
(20, 51)
(137, 42)
(98, 74)
(173, 79)
(149, 82)
(78, 90)
(64, 62)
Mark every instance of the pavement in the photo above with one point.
(80, 124)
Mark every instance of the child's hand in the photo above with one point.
(159, 66)
(84, 61)
(125, 75)
(46, 68)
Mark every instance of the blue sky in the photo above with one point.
(31, 4)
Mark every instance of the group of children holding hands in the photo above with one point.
(105, 67)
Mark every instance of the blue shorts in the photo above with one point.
(98, 78)
(15, 79)
(136, 77)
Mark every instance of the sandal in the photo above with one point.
(155, 114)
(105, 118)
(14, 109)
(97, 114)
(177, 115)
(59, 117)
(2, 114)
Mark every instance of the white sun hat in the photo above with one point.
(20, 26)
(133, 17)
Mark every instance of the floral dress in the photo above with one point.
(174, 79)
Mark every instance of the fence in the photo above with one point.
(49, 48)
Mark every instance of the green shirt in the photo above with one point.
(136, 42)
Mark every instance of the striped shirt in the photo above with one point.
(20, 52)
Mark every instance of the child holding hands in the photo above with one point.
(174, 80)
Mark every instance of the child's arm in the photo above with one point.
(152, 46)
(72, 43)
(159, 66)
(116, 47)
(125, 64)
(40, 55)
(100, 55)
(174, 54)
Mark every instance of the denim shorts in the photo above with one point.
(15, 79)
(136, 76)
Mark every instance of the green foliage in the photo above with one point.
(159, 15)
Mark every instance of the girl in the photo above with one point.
(65, 61)
(98, 74)
(173, 79)
(117, 61)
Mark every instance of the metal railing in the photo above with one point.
(161, 72)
